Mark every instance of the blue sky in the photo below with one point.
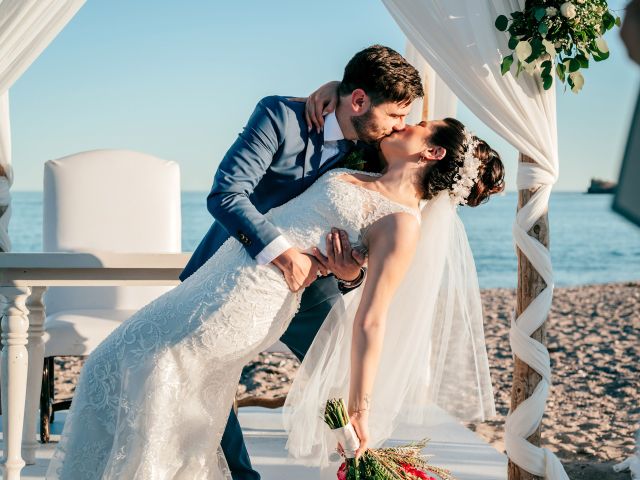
(179, 79)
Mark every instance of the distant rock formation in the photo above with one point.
(601, 186)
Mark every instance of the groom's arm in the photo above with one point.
(243, 166)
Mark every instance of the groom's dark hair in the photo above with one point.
(383, 74)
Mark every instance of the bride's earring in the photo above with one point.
(434, 153)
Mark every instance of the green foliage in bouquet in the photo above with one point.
(557, 35)
(392, 463)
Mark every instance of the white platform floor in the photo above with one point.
(453, 446)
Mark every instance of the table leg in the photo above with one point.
(15, 324)
(35, 349)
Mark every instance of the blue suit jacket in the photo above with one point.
(274, 159)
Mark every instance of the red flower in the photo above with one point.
(342, 472)
(414, 471)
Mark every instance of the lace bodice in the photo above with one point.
(153, 399)
(330, 202)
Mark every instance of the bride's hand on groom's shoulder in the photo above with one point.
(324, 100)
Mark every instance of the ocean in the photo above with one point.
(589, 243)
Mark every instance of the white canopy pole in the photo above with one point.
(459, 40)
(27, 27)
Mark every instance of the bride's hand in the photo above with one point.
(342, 260)
(360, 422)
(324, 100)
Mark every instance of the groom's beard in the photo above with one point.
(366, 130)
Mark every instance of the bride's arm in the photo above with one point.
(322, 101)
(391, 241)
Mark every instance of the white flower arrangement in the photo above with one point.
(467, 172)
(557, 34)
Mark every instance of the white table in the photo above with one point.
(24, 277)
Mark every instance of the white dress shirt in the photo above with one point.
(332, 133)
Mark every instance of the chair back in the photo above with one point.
(115, 201)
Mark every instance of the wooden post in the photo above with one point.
(425, 99)
(530, 284)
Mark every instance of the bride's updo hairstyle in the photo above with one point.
(444, 174)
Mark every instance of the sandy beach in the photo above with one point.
(594, 408)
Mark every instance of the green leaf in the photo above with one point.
(546, 67)
(539, 13)
(583, 60)
(560, 71)
(537, 49)
(501, 23)
(608, 21)
(618, 21)
(547, 81)
(599, 56)
(506, 64)
(574, 65)
(513, 41)
(543, 28)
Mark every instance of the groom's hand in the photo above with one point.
(342, 260)
(299, 269)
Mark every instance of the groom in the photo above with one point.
(277, 157)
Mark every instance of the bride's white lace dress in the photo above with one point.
(153, 399)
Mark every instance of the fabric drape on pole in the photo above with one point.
(441, 101)
(27, 27)
(460, 42)
(6, 173)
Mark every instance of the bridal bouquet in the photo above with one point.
(402, 463)
(558, 34)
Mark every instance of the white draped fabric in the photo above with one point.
(27, 27)
(460, 42)
(441, 101)
(7, 180)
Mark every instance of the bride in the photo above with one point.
(153, 399)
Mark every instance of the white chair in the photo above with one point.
(102, 200)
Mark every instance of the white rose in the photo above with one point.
(552, 11)
(602, 45)
(578, 81)
(549, 47)
(580, 1)
(568, 10)
(523, 50)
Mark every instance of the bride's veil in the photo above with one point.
(433, 354)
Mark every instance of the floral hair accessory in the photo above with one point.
(468, 170)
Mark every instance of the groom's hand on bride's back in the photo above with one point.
(299, 269)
